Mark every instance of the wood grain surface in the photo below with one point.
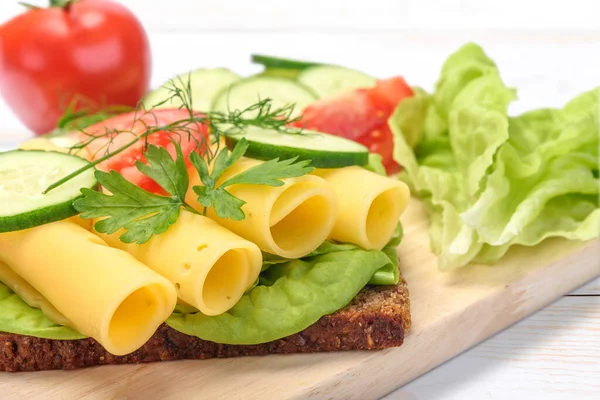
(551, 355)
(451, 313)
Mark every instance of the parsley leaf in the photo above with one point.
(271, 172)
(226, 205)
(171, 175)
(141, 213)
(224, 160)
(268, 173)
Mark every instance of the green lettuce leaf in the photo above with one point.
(410, 114)
(387, 275)
(375, 164)
(478, 124)
(551, 155)
(18, 317)
(390, 273)
(491, 181)
(464, 66)
(292, 296)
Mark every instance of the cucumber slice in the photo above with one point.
(247, 92)
(324, 150)
(205, 84)
(329, 80)
(281, 63)
(281, 72)
(24, 174)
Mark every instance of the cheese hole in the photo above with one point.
(135, 315)
(201, 247)
(177, 286)
(382, 218)
(307, 225)
(224, 284)
(186, 269)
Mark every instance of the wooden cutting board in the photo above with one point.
(451, 312)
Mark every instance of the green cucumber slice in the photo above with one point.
(24, 174)
(288, 73)
(281, 91)
(329, 80)
(324, 150)
(281, 63)
(205, 84)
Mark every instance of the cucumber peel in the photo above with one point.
(24, 174)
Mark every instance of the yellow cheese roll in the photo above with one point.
(30, 295)
(210, 266)
(61, 144)
(84, 223)
(369, 205)
(41, 143)
(106, 293)
(289, 220)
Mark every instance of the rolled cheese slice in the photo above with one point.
(289, 220)
(105, 293)
(210, 266)
(84, 223)
(42, 143)
(61, 144)
(369, 205)
(30, 295)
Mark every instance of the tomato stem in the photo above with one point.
(61, 3)
(28, 5)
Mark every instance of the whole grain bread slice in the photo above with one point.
(377, 318)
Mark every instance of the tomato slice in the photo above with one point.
(115, 132)
(389, 92)
(361, 115)
(381, 141)
(350, 114)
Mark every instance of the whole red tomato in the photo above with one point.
(87, 53)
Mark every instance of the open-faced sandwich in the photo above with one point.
(165, 234)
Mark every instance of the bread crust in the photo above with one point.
(377, 318)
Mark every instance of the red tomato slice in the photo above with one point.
(381, 141)
(116, 132)
(350, 114)
(361, 115)
(390, 92)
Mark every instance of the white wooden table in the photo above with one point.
(549, 50)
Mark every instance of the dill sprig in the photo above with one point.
(143, 214)
(261, 114)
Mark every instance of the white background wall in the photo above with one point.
(549, 50)
(358, 15)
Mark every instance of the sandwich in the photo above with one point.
(169, 234)
(377, 318)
